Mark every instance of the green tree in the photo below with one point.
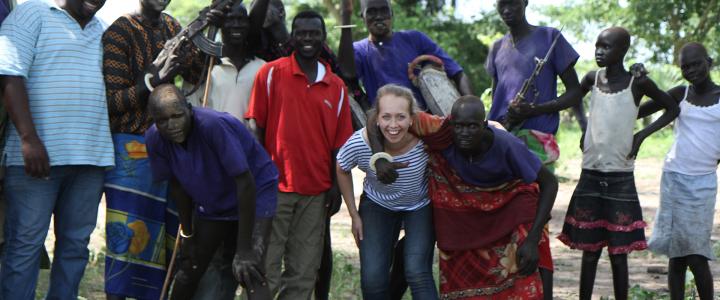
(662, 26)
(465, 41)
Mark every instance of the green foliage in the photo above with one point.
(465, 42)
(186, 10)
(662, 26)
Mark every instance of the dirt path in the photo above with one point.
(567, 262)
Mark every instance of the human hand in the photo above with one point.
(247, 269)
(35, 156)
(386, 171)
(357, 229)
(527, 257)
(167, 66)
(521, 110)
(333, 199)
(637, 141)
(216, 16)
(638, 70)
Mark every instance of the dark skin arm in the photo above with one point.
(650, 107)
(246, 264)
(571, 98)
(15, 99)
(258, 11)
(332, 196)
(184, 206)
(462, 82)
(645, 86)
(527, 254)
(346, 52)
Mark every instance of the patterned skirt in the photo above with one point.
(604, 211)
(140, 224)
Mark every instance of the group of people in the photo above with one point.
(249, 158)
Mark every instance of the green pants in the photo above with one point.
(296, 245)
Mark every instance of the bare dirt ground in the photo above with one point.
(567, 262)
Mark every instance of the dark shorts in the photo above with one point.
(604, 211)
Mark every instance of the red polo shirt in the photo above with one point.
(304, 122)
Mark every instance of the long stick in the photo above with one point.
(207, 81)
(166, 284)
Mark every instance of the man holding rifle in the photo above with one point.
(511, 61)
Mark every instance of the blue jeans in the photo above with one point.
(72, 194)
(381, 228)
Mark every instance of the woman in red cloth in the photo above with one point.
(491, 198)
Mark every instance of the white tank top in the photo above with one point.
(610, 129)
(696, 149)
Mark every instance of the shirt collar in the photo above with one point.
(297, 71)
(54, 5)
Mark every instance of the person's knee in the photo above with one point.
(591, 256)
(618, 260)
(374, 278)
(417, 268)
(695, 261)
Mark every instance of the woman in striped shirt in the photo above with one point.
(385, 208)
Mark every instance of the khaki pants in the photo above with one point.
(297, 244)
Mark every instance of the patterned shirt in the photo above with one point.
(130, 46)
(62, 67)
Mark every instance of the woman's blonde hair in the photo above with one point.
(398, 91)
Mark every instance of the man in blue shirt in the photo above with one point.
(58, 143)
(224, 184)
(384, 56)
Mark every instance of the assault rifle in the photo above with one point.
(521, 95)
(193, 32)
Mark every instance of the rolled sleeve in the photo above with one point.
(18, 38)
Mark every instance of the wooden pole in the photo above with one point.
(208, 81)
(168, 276)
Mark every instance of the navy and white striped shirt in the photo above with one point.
(62, 67)
(409, 192)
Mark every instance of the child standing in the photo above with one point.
(689, 184)
(604, 209)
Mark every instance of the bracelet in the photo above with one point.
(344, 26)
(182, 234)
(377, 156)
(149, 86)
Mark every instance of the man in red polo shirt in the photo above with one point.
(302, 117)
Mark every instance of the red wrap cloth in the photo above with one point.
(479, 231)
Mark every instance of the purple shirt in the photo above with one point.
(507, 159)
(510, 65)
(378, 65)
(3, 11)
(219, 148)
